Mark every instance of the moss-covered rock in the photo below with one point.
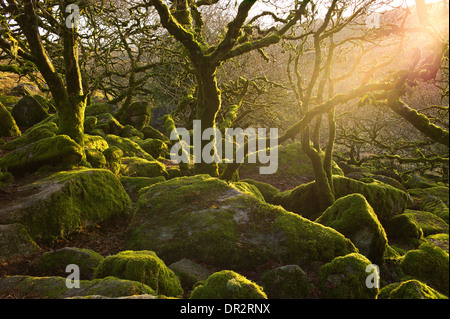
(155, 148)
(8, 125)
(109, 124)
(32, 135)
(95, 158)
(228, 285)
(287, 282)
(411, 289)
(152, 133)
(133, 185)
(66, 202)
(249, 189)
(353, 217)
(428, 222)
(16, 241)
(90, 122)
(189, 272)
(5, 178)
(47, 105)
(139, 115)
(428, 264)
(128, 147)
(139, 167)
(387, 201)
(9, 101)
(113, 156)
(439, 192)
(418, 182)
(440, 240)
(212, 222)
(54, 263)
(100, 108)
(404, 228)
(28, 112)
(142, 266)
(268, 191)
(130, 131)
(59, 151)
(345, 278)
(56, 288)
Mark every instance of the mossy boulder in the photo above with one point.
(440, 192)
(90, 123)
(428, 264)
(56, 288)
(95, 142)
(59, 151)
(139, 115)
(95, 158)
(32, 135)
(268, 191)
(48, 106)
(189, 272)
(28, 112)
(24, 89)
(54, 263)
(9, 101)
(411, 289)
(128, 147)
(113, 156)
(8, 125)
(155, 148)
(214, 223)
(287, 282)
(5, 178)
(16, 241)
(65, 202)
(428, 222)
(404, 228)
(141, 266)
(133, 185)
(345, 278)
(440, 240)
(139, 167)
(130, 131)
(387, 201)
(353, 217)
(249, 189)
(100, 108)
(152, 133)
(228, 285)
(109, 124)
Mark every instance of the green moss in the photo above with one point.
(439, 192)
(155, 148)
(97, 109)
(113, 156)
(404, 228)
(32, 135)
(287, 282)
(133, 185)
(189, 272)
(267, 190)
(411, 289)
(109, 124)
(28, 112)
(440, 240)
(55, 287)
(142, 266)
(95, 158)
(428, 222)
(228, 285)
(16, 242)
(152, 133)
(138, 167)
(9, 101)
(58, 151)
(429, 264)
(55, 262)
(66, 202)
(8, 126)
(210, 221)
(246, 188)
(386, 200)
(130, 131)
(345, 278)
(353, 217)
(90, 122)
(95, 142)
(5, 178)
(128, 147)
